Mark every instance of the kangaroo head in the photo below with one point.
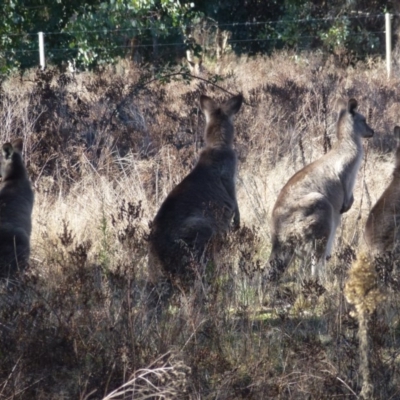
(11, 158)
(219, 119)
(353, 123)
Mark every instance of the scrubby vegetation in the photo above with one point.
(92, 33)
(103, 150)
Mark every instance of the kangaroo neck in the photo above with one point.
(349, 147)
(346, 160)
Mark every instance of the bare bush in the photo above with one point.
(103, 151)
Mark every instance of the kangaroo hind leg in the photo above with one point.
(320, 232)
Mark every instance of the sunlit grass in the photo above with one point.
(79, 326)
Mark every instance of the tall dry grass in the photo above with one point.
(102, 156)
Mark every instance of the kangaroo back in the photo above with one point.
(16, 203)
(382, 229)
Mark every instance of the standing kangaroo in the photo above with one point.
(382, 230)
(204, 203)
(16, 202)
(309, 207)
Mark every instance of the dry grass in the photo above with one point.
(102, 157)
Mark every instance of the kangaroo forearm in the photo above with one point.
(236, 217)
(232, 193)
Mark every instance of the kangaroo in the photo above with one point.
(204, 203)
(382, 232)
(309, 207)
(16, 203)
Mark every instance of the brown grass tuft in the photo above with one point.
(102, 157)
(362, 287)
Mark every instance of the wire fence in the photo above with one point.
(178, 44)
(263, 34)
(172, 29)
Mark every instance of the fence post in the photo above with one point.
(41, 50)
(388, 30)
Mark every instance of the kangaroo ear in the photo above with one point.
(340, 105)
(207, 105)
(7, 150)
(232, 105)
(18, 144)
(396, 132)
(352, 105)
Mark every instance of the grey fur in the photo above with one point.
(309, 207)
(16, 202)
(382, 233)
(204, 203)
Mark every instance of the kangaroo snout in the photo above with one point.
(371, 133)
